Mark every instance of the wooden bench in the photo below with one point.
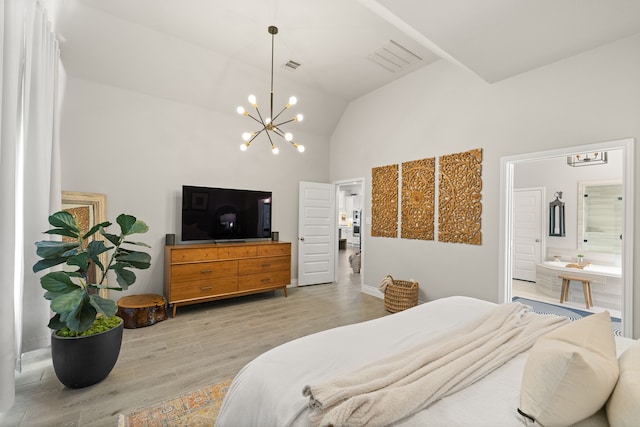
(142, 310)
(586, 289)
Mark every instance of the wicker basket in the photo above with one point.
(400, 295)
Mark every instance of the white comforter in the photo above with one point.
(268, 390)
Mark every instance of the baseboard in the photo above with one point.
(372, 290)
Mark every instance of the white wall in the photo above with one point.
(443, 109)
(140, 150)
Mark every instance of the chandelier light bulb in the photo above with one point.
(247, 136)
(299, 117)
(293, 100)
(300, 148)
(275, 150)
(288, 136)
(243, 147)
(267, 120)
(252, 99)
(240, 110)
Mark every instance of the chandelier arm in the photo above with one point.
(255, 136)
(270, 140)
(278, 115)
(249, 115)
(261, 121)
(285, 122)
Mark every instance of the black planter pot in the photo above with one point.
(84, 361)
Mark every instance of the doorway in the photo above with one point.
(507, 198)
(349, 220)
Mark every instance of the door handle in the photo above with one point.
(537, 240)
(302, 239)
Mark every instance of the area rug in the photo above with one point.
(197, 408)
(571, 313)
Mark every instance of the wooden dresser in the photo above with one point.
(207, 272)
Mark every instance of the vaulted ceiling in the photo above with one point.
(186, 50)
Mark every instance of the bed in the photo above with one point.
(268, 390)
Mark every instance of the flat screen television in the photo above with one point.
(225, 214)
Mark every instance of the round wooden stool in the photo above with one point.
(142, 310)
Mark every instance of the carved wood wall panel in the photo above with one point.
(418, 199)
(384, 201)
(460, 197)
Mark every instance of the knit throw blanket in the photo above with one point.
(401, 385)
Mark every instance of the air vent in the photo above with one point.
(292, 65)
(394, 57)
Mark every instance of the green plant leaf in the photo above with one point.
(135, 259)
(58, 282)
(115, 240)
(66, 303)
(130, 225)
(82, 318)
(47, 263)
(80, 260)
(64, 220)
(136, 243)
(55, 323)
(95, 228)
(62, 232)
(102, 305)
(48, 249)
(124, 277)
(96, 247)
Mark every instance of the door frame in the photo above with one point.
(363, 208)
(507, 165)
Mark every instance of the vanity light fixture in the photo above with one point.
(588, 159)
(269, 124)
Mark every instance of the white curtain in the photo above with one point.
(29, 178)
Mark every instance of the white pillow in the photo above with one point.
(570, 372)
(623, 407)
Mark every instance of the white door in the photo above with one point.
(316, 233)
(527, 233)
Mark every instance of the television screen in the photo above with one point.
(222, 214)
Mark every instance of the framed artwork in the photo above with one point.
(418, 199)
(88, 209)
(384, 201)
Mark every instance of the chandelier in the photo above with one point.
(269, 125)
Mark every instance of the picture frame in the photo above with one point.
(88, 209)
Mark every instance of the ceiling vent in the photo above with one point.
(394, 57)
(291, 65)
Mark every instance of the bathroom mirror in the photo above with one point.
(600, 216)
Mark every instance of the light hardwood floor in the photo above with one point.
(203, 344)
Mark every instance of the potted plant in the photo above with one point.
(87, 335)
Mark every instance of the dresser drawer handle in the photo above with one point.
(266, 265)
(265, 280)
(206, 288)
(206, 271)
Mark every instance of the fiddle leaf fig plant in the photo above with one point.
(74, 300)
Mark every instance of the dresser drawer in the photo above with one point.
(203, 288)
(203, 271)
(264, 280)
(193, 254)
(227, 252)
(263, 265)
(274, 249)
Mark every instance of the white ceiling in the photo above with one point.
(115, 42)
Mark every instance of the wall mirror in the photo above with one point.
(600, 216)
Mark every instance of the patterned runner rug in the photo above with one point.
(571, 313)
(197, 408)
